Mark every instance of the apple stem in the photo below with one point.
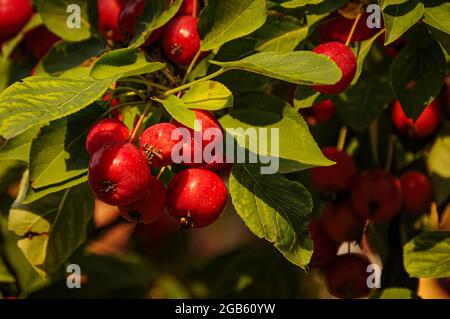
(188, 85)
(342, 138)
(134, 135)
(194, 9)
(161, 172)
(355, 23)
(191, 67)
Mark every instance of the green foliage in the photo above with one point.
(54, 15)
(156, 14)
(275, 209)
(299, 67)
(280, 34)
(223, 21)
(426, 256)
(208, 95)
(178, 110)
(38, 100)
(123, 63)
(58, 153)
(394, 293)
(416, 77)
(51, 229)
(297, 149)
(439, 167)
(64, 55)
(363, 103)
(398, 18)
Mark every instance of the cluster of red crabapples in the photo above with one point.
(354, 200)
(371, 196)
(120, 173)
(117, 21)
(180, 38)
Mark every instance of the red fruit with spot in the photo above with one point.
(376, 195)
(14, 14)
(108, 20)
(189, 8)
(345, 60)
(157, 144)
(425, 126)
(336, 178)
(128, 18)
(346, 276)
(106, 131)
(319, 113)
(195, 147)
(119, 174)
(181, 40)
(417, 193)
(341, 223)
(39, 41)
(325, 249)
(196, 197)
(149, 208)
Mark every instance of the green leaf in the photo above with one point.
(443, 39)
(428, 255)
(300, 3)
(416, 77)
(394, 293)
(300, 67)
(305, 96)
(223, 21)
(400, 17)
(385, 3)
(68, 55)
(360, 105)
(317, 12)
(6, 277)
(39, 100)
(59, 152)
(54, 15)
(33, 195)
(123, 63)
(361, 52)
(156, 14)
(178, 110)
(438, 162)
(294, 146)
(100, 270)
(437, 14)
(236, 80)
(280, 34)
(208, 95)
(275, 209)
(52, 228)
(19, 147)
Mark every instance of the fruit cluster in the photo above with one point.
(181, 41)
(117, 21)
(120, 173)
(354, 200)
